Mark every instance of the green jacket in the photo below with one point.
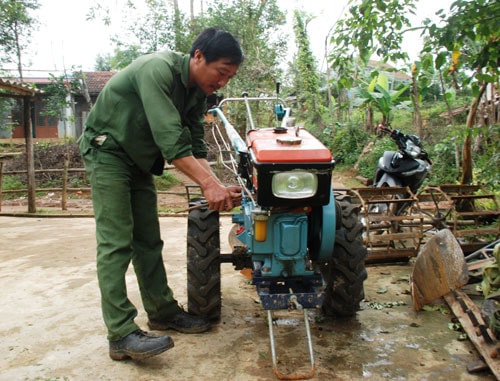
(150, 113)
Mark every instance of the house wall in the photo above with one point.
(43, 126)
(46, 127)
(81, 111)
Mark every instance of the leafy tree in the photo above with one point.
(6, 106)
(150, 26)
(375, 26)
(162, 26)
(347, 144)
(370, 27)
(257, 24)
(444, 169)
(16, 27)
(378, 95)
(306, 78)
(119, 60)
(103, 62)
(469, 40)
(59, 93)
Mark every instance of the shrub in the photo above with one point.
(348, 143)
(166, 180)
(443, 170)
(487, 160)
(368, 162)
(11, 182)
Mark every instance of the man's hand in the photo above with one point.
(220, 197)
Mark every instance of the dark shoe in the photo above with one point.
(139, 345)
(181, 322)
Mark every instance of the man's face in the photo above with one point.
(213, 76)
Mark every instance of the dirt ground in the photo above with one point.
(52, 327)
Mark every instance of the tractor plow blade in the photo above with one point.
(440, 268)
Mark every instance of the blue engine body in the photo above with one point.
(283, 263)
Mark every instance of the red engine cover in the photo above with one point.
(271, 147)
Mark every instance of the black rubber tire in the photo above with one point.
(203, 264)
(345, 274)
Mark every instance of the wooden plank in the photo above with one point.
(395, 236)
(472, 196)
(391, 255)
(372, 191)
(385, 218)
(452, 188)
(479, 264)
(487, 349)
(475, 232)
(479, 213)
(388, 200)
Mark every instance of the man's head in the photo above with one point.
(215, 58)
(215, 44)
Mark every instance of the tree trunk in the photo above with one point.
(85, 92)
(341, 116)
(417, 116)
(451, 120)
(369, 119)
(466, 150)
(18, 54)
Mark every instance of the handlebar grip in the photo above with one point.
(384, 128)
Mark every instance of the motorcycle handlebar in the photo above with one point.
(388, 130)
(396, 135)
(384, 128)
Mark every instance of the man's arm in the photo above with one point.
(218, 196)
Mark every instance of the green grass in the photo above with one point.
(166, 180)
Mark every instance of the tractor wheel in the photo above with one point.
(203, 263)
(345, 273)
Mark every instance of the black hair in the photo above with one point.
(215, 44)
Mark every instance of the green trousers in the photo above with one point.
(127, 229)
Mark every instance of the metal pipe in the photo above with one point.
(249, 111)
(236, 141)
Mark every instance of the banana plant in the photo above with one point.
(377, 95)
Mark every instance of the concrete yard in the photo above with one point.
(52, 329)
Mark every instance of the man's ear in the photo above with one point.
(198, 55)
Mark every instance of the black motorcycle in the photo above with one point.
(408, 167)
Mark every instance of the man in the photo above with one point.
(147, 113)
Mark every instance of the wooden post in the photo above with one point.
(1, 175)
(64, 192)
(30, 157)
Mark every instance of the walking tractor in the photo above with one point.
(302, 242)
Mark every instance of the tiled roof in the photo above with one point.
(18, 88)
(96, 80)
